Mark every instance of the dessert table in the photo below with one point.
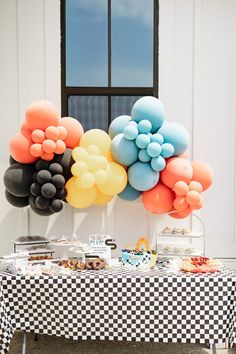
(121, 304)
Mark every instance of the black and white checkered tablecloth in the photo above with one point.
(121, 304)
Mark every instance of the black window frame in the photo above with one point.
(108, 91)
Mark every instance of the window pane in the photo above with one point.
(91, 111)
(122, 105)
(86, 43)
(132, 43)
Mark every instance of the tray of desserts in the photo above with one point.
(196, 265)
(179, 232)
(30, 240)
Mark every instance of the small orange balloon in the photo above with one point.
(74, 131)
(197, 206)
(49, 146)
(36, 150)
(60, 147)
(20, 149)
(38, 136)
(195, 186)
(193, 197)
(180, 204)
(62, 133)
(181, 188)
(158, 200)
(177, 169)
(52, 133)
(202, 173)
(41, 114)
(47, 157)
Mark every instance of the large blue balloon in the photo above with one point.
(117, 125)
(142, 177)
(149, 108)
(129, 193)
(175, 134)
(124, 151)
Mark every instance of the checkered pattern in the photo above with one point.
(123, 305)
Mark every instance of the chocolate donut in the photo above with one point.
(99, 263)
(89, 265)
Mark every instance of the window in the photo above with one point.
(109, 57)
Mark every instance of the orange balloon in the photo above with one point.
(197, 206)
(47, 157)
(180, 204)
(193, 198)
(195, 186)
(36, 150)
(41, 114)
(74, 131)
(181, 188)
(60, 147)
(38, 136)
(20, 149)
(62, 132)
(181, 214)
(177, 169)
(49, 146)
(158, 200)
(52, 132)
(25, 130)
(202, 173)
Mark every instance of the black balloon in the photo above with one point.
(18, 202)
(61, 193)
(11, 160)
(42, 212)
(32, 201)
(58, 181)
(48, 190)
(56, 205)
(41, 202)
(35, 189)
(41, 165)
(43, 176)
(18, 179)
(66, 161)
(55, 168)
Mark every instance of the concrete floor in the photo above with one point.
(55, 345)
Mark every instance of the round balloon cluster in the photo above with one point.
(52, 160)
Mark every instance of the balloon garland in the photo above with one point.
(52, 160)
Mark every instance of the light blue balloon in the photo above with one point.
(130, 132)
(117, 125)
(143, 156)
(142, 177)
(157, 138)
(158, 163)
(144, 126)
(129, 193)
(132, 122)
(167, 150)
(142, 141)
(175, 134)
(149, 108)
(124, 151)
(154, 149)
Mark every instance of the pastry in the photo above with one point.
(99, 263)
(186, 231)
(39, 258)
(89, 265)
(176, 230)
(166, 230)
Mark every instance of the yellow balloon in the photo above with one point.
(102, 199)
(87, 180)
(78, 168)
(80, 153)
(117, 180)
(96, 162)
(93, 150)
(101, 176)
(79, 198)
(97, 137)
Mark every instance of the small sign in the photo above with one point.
(101, 246)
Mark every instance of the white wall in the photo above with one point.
(197, 57)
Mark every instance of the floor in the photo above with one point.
(55, 345)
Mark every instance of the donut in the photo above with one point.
(99, 263)
(89, 265)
